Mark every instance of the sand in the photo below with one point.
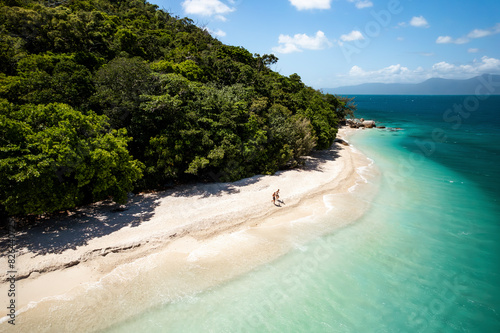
(166, 245)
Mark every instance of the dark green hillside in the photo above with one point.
(100, 97)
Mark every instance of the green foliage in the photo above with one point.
(163, 66)
(184, 105)
(127, 41)
(345, 106)
(119, 86)
(189, 69)
(53, 158)
(48, 78)
(11, 51)
(235, 53)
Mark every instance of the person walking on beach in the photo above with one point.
(276, 196)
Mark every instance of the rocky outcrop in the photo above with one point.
(354, 123)
(369, 123)
(361, 123)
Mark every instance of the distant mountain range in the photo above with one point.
(481, 85)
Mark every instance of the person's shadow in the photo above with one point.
(279, 203)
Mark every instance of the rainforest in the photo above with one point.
(100, 98)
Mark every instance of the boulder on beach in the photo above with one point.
(369, 123)
(353, 123)
(360, 123)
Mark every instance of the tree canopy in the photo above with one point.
(98, 97)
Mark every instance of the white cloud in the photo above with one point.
(488, 65)
(300, 42)
(352, 36)
(326, 4)
(383, 74)
(476, 33)
(484, 65)
(419, 22)
(364, 4)
(216, 33)
(479, 33)
(444, 40)
(401, 74)
(473, 50)
(214, 8)
(360, 4)
(286, 48)
(311, 4)
(443, 67)
(393, 73)
(461, 40)
(416, 21)
(356, 71)
(390, 74)
(419, 69)
(449, 40)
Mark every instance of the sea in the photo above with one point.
(423, 258)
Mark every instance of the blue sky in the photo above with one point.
(332, 43)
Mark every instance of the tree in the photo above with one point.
(120, 85)
(291, 137)
(54, 158)
(127, 41)
(265, 61)
(11, 51)
(49, 78)
(345, 107)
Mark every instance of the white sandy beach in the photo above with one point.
(83, 272)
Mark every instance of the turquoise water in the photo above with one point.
(424, 258)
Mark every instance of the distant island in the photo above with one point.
(434, 86)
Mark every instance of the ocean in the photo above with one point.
(423, 258)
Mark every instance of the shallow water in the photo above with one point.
(424, 258)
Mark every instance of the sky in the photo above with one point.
(332, 43)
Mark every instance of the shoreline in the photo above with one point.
(210, 232)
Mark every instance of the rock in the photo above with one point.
(381, 127)
(369, 123)
(353, 123)
(362, 119)
(342, 142)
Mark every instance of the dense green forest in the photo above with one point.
(99, 98)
